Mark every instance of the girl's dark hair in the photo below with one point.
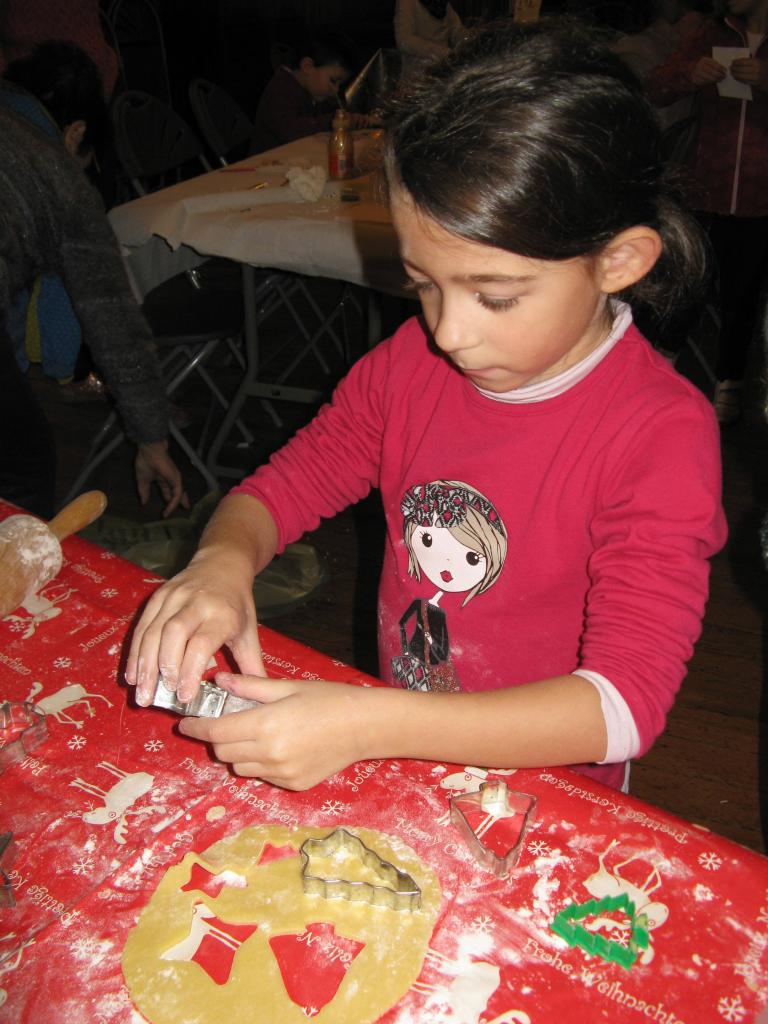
(538, 140)
(67, 82)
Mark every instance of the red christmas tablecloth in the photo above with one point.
(115, 796)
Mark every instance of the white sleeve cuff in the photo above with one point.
(623, 737)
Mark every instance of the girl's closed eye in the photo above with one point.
(496, 305)
(417, 285)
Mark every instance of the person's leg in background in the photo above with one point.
(27, 447)
(740, 246)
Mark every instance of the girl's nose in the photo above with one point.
(454, 330)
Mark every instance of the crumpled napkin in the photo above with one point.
(307, 183)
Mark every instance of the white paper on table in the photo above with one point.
(208, 202)
(729, 87)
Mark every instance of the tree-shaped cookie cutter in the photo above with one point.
(567, 924)
(22, 728)
(496, 802)
(394, 889)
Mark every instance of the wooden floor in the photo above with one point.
(708, 765)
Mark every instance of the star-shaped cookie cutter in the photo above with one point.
(496, 802)
(22, 728)
(395, 889)
(567, 924)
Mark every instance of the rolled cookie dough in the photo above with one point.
(270, 895)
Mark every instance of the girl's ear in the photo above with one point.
(628, 257)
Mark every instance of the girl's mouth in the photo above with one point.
(446, 576)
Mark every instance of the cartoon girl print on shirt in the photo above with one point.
(456, 539)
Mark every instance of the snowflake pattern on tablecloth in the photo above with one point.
(539, 848)
(334, 807)
(82, 866)
(482, 924)
(109, 592)
(620, 937)
(703, 893)
(107, 555)
(732, 1008)
(88, 948)
(153, 746)
(18, 625)
(76, 742)
(710, 861)
(62, 662)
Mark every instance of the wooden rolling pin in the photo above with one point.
(30, 549)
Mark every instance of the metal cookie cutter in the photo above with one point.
(496, 802)
(22, 728)
(210, 701)
(393, 889)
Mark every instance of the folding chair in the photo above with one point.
(290, 295)
(154, 145)
(189, 323)
(222, 122)
(136, 33)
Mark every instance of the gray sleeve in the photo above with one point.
(113, 325)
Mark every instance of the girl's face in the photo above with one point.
(504, 320)
(445, 561)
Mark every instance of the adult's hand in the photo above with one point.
(154, 465)
(751, 71)
(707, 71)
(365, 121)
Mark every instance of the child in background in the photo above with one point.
(301, 96)
(551, 486)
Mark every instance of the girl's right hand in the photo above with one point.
(707, 71)
(207, 605)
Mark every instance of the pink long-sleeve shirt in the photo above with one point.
(595, 514)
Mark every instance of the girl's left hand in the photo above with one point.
(304, 732)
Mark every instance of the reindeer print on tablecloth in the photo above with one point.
(610, 882)
(118, 800)
(39, 608)
(70, 696)
(466, 990)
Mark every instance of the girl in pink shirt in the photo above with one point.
(551, 486)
